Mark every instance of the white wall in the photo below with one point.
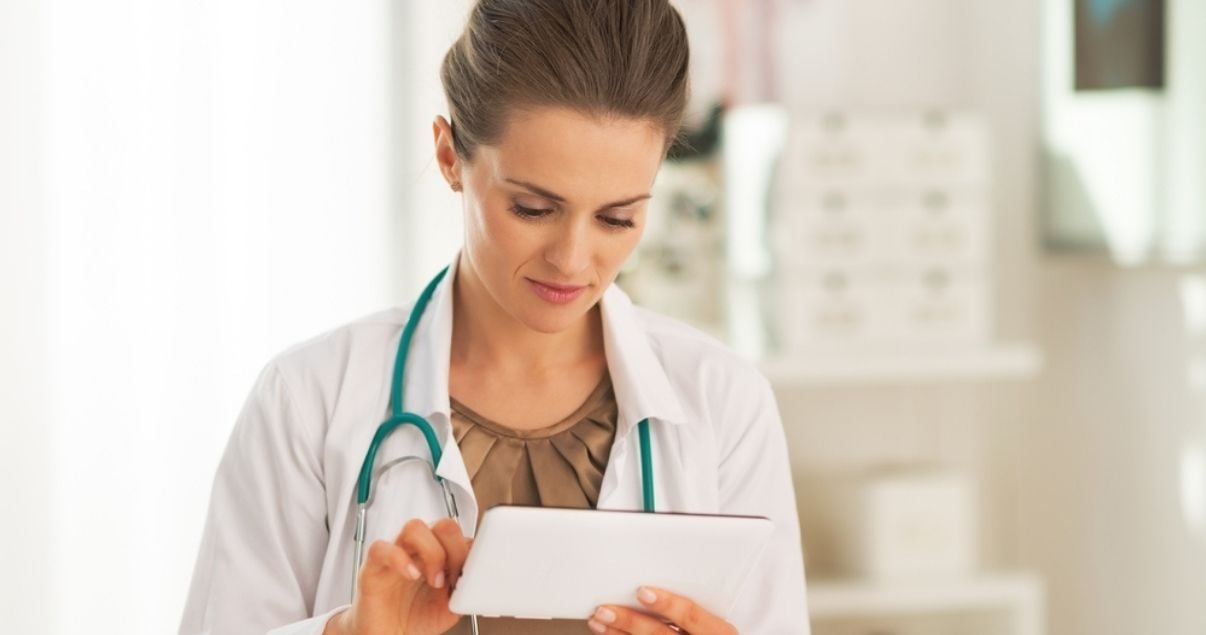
(430, 211)
(185, 190)
(1113, 484)
(1110, 484)
(24, 489)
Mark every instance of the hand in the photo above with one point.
(404, 586)
(683, 615)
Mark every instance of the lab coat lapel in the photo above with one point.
(642, 391)
(426, 382)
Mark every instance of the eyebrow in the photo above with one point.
(536, 189)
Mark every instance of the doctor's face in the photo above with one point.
(555, 208)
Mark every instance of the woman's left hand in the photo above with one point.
(683, 615)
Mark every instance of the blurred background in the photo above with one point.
(963, 238)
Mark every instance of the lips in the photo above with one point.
(555, 293)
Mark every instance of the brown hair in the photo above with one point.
(600, 57)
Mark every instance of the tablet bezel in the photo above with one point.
(695, 557)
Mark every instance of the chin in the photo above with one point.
(551, 320)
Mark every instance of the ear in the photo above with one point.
(445, 152)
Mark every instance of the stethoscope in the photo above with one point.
(399, 417)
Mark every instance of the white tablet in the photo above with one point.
(544, 563)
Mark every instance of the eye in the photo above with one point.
(528, 212)
(620, 223)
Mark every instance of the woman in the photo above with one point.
(531, 366)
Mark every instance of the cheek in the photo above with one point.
(498, 233)
(495, 222)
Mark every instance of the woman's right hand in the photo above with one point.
(404, 586)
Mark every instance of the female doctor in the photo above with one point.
(533, 370)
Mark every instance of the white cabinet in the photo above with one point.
(882, 238)
(881, 230)
(1013, 361)
(997, 604)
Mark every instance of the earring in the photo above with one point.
(456, 186)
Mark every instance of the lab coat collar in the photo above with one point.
(431, 351)
(426, 381)
(642, 388)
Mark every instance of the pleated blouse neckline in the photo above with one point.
(592, 402)
(560, 465)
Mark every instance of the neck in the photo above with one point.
(485, 335)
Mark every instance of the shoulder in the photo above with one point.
(382, 323)
(692, 357)
(320, 361)
(724, 397)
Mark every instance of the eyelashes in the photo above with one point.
(528, 212)
(535, 214)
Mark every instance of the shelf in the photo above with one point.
(1020, 592)
(995, 362)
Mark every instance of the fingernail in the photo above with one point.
(605, 615)
(596, 627)
(647, 596)
(439, 581)
(413, 571)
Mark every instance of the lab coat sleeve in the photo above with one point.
(265, 534)
(755, 479)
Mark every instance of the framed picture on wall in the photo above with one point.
(1119, 44)
(1124, 149)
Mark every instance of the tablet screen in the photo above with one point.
(543, 562)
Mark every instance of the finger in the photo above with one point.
(617, 619)
(456, 547)
(418, 541)
(683, 612)
(603, 629)
(387, 559)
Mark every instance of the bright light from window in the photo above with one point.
(217, 189)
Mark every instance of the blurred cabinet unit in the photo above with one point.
(1001, 604)
(903, 523)
(992, 362)
(881, 237)
(880, 231)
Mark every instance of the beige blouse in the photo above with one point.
(560, 465)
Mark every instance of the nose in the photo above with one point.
(569, 249)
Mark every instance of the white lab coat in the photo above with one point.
(276, 554)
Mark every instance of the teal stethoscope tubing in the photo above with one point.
(399, 417)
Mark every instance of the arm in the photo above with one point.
(265, 533)
(755, 479)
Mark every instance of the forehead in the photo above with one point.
(577, 155)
